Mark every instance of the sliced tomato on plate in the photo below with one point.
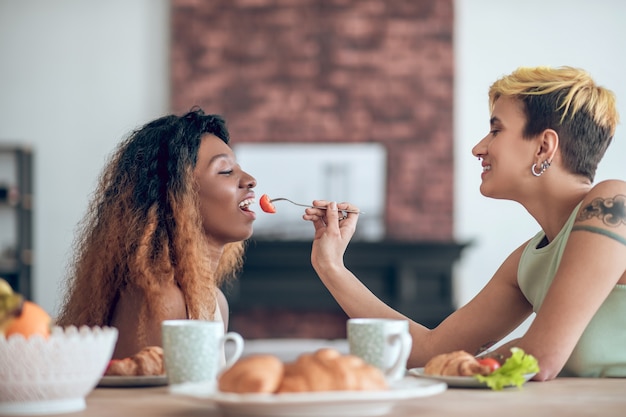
(266, 204)
(492, 363)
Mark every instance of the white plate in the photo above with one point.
(312, 404)
(456, 381)
(133, 381)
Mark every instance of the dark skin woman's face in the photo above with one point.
(225, 192)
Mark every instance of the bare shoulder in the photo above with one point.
(173, 301)
(605, 203)
(603, 212)
(607, 189)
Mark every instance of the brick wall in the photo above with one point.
(332, 71)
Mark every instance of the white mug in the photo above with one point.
(384, 343)
(193, 350)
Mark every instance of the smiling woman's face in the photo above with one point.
(223, 191)
(507, 156)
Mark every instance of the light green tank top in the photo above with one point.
(601, 350)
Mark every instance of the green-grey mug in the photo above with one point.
(384, 343)
(193, 350)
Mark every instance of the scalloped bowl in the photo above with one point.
(54, 375)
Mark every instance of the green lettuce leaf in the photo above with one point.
(512, 372)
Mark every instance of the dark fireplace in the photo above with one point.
(279, 295)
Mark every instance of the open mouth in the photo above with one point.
(245, 204)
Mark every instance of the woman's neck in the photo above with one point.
(554, 206)
(215, 253)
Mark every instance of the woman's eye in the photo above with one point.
(226, 172)
(494, 132)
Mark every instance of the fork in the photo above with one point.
(309, 206)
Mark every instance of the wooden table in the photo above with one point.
(561, 397)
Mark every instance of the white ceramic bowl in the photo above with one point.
(54, 375)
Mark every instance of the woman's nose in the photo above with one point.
(475, 151)
(248, 180)
(479, 149)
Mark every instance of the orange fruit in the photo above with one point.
(33, 320)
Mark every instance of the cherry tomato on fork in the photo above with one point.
(266, 204)
(492, 363)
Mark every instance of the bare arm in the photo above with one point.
(491, 315)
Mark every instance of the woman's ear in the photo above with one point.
(548, 145)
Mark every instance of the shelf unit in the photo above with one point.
(16, 216)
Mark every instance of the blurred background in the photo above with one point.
(370, 101)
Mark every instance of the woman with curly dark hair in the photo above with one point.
(166, 227)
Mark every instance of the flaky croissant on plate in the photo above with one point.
(323, 370)
(148, 361)
(457, 363)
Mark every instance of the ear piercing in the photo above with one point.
(542, 168)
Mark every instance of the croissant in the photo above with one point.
(148, 361)
(254, 373)
(323, 370)
(457, 363)
(328, 370)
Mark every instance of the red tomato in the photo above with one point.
(492, 363)
(266, 204)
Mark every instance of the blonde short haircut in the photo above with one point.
(567, 100)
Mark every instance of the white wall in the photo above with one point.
(77, 75)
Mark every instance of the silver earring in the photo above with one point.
(544, 165)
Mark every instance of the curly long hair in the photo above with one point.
(143, 227)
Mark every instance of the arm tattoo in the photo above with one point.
(612, 211)
(601, 231)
